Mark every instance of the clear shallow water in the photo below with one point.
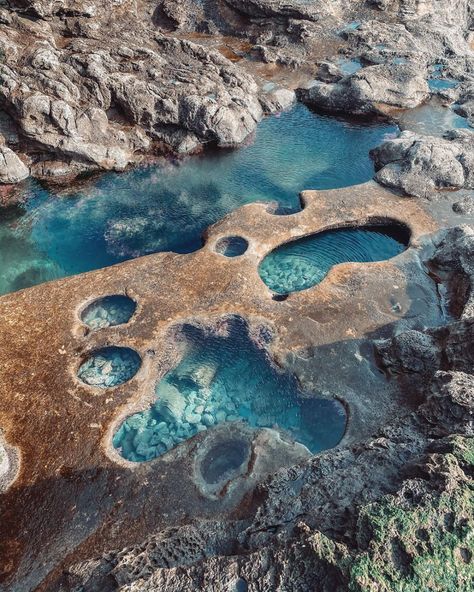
(108, 311)
(226, 377)
(122, 216)
(348, 66)
(110, 366)
(303, 263)
(432, 119)
(437, 84)
(232, 246)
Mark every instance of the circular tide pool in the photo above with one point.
(109, 366)
(108, 311)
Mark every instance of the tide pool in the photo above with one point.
(228, 376)
(166, 208)
(305, 262)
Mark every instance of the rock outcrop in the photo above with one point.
(419, 165)
(103, 99)
(12, 169)
(374, 89)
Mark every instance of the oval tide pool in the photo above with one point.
(305, 262)
(226, 376)
(166, 208)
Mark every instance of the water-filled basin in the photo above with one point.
(227, 376)
(108, 311)
(167, 208)
(305, 262)
(109, 366)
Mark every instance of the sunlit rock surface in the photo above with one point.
(418, 165)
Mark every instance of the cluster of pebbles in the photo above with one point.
(108, 312)
(110, 366)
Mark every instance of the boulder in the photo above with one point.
(12, 169)
(374, 89)
(418, 165)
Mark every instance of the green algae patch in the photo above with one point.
(422, 544)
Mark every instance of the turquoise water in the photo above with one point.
(348, 66)
(108, 311)
(162, 208)
(225, 376)
(437, 84)
(109, 366)
(303, 263)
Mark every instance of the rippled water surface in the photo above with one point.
(122, 216)
(224, 377)
(303, 263)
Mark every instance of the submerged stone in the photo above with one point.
(108, 311)
(245, 386)
(305, 262)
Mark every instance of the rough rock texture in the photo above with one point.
(102, 99)
(418, 165)
(99, 85)
(453, 263)
(207, 101)
(374, 89)
(330, 520)
(12, 169)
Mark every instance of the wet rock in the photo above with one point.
(12, 169)
(170, 402)
(374, 89)
(451, 397)
(418, 165)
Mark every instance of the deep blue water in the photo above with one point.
(303, 263)
(226, 376)
(160, 208)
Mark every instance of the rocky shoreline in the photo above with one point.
(96, 86)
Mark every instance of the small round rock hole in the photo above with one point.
(232, 246)
(223, 459)
(110, 366)
(108, 311)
